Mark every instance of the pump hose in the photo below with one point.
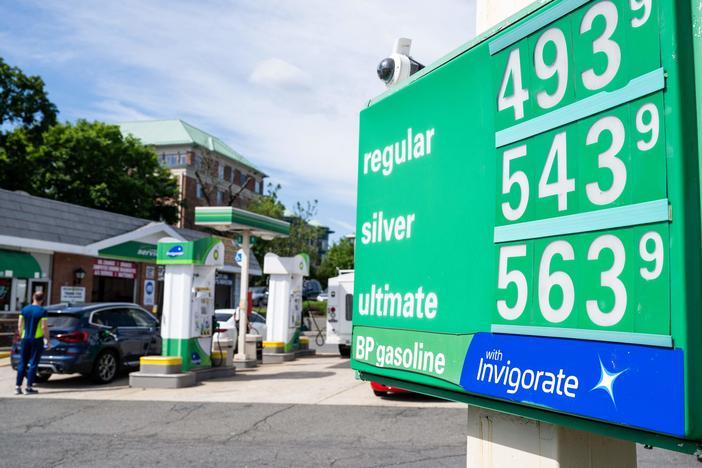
(319, 338)
(220, 361)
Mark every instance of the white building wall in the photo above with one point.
(490, 12)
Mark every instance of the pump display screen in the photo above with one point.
(528, 225)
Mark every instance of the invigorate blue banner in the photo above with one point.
(631, 385)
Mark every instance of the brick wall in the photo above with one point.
(191, 201)
(63, 274)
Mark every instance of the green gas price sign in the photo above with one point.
(528, 218)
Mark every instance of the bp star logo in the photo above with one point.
(607, 379)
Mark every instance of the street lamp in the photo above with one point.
(78, 275)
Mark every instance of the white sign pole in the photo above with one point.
(244, 298)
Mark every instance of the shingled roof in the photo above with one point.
(24, 216)
(27, 216)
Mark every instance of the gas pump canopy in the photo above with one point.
(529, 222)
(230, 219)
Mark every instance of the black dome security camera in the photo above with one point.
(399, 65)
(386, 69)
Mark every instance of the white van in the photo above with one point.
(340, 311)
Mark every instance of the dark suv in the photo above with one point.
(311, 288)
(96, 340)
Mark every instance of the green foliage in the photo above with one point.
(303, 236)
(314, 306)
(25, 112)
(23, 101)
(16, 168)
(339, 257)
(91, 164)
(268, 204)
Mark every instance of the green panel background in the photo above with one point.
(455, 191)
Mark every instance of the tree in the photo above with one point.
(303, 236)
(339, 257)
(25, 113)
(23, 101)
(207, 173)
(92, 164)
(268, 204)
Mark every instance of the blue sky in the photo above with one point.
(282, 82)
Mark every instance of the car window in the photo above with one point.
(114, 318)
(124, 318)
(142, 319)
(62, 321)
(257, 318)
(104, 318)
(312, 286)
(223, 317)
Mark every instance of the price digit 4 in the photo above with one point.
(563, 184)
(519, 93)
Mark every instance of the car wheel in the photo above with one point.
(378, 393)
(42, 377)
(105, 368)
(345, 351)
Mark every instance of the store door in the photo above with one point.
(39, 286)
(5, 294)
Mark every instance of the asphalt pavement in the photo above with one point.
(309, 412)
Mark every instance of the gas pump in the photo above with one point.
(284, 313)
(188, 300)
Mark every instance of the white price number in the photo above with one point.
(593, 81)
(647, 125)
(650, 250)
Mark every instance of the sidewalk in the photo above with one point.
(320, 380)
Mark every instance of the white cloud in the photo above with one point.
(277, 73)
(281, 82)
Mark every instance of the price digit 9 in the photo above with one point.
(637, 5)
(655, 255)
(652, 126)
(559, 67)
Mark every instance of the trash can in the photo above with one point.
(254, 347)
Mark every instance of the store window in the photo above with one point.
(113, 281)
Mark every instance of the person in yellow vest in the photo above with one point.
(34, 334)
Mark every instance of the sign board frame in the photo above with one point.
(466, 163)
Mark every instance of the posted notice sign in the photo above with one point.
(529, 220)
